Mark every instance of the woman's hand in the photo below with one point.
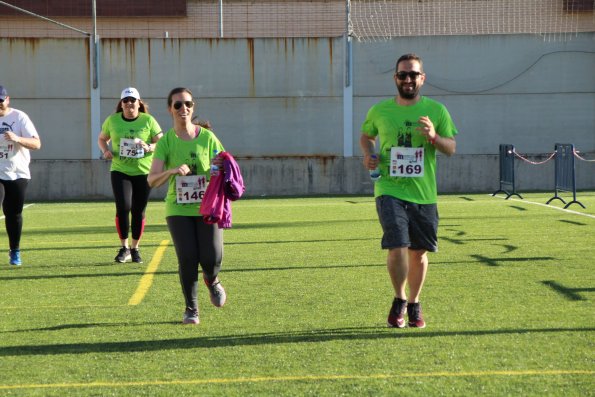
(181, 170)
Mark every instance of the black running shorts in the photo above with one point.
(408, 224)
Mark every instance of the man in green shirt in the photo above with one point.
(410, 128)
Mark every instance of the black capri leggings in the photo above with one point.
(196, 243)
(132, 195)
(12, 197)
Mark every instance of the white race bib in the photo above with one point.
(7, 150)
(131, 148)
(407, 162)
(190, 188)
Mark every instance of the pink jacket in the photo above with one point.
(224, 188)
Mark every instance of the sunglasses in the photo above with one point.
(2, 100)
(178, 104)
(412, 75)
(129, 99)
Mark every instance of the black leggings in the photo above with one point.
(132, 196)
(12, 197)
(196, 243)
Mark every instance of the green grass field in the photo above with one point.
(508, 302)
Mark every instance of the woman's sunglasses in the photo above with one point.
(178, 104)
(129, 99)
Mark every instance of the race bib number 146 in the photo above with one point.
(190, 188)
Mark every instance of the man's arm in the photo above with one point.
(368, 146)
(447, 146)
(33, 143)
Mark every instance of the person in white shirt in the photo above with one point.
(17, 136)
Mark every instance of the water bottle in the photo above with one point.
(375, 172)
(214, 168)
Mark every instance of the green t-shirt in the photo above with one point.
(196, 154)
(395, 126)
(144, 127)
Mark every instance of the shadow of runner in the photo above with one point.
(207, 342)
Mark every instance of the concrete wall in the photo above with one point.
(499, 88)
(277, 104)
(289, 176)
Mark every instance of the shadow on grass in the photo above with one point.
(70, 276)
(332, 240)
(141, 272)
(299, 223)
(91, 229)
(569, 293)
(499, 261)
(518, 208)
(206, 342)
(573, 222)
(113, 247)
(458, 241)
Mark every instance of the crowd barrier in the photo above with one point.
(564, 176)
(507, 181)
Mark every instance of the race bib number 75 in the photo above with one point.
(407, 162)
(132, 148)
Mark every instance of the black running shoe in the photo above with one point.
(414, 313)
(123, 255)
(135, 254)
(396, 316)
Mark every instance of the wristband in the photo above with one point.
(432, 141)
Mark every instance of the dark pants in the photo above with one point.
(196, 243)
(407, 224)
(132, 195)
(12, 197)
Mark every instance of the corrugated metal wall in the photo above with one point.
(278, 103)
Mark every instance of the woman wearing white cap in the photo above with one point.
(17, 136)
(133, 134)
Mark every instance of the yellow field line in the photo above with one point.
(147, 278)
(299, 378)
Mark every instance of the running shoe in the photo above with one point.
(414, 313)
(135, 255)
(217, 292)
(15, 257)
(396, 316)
(123, 255)
(190, 316)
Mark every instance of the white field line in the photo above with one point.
(26, 206)
(547, 206)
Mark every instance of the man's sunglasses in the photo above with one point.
(178, 104)
(2, 100)
(129, 99)
(412, 75)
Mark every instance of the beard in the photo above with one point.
(408, 94)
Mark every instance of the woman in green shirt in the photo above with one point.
(133, 134)
(183, 159)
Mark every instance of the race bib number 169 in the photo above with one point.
(407, 162)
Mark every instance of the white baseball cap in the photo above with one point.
(130, 91)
